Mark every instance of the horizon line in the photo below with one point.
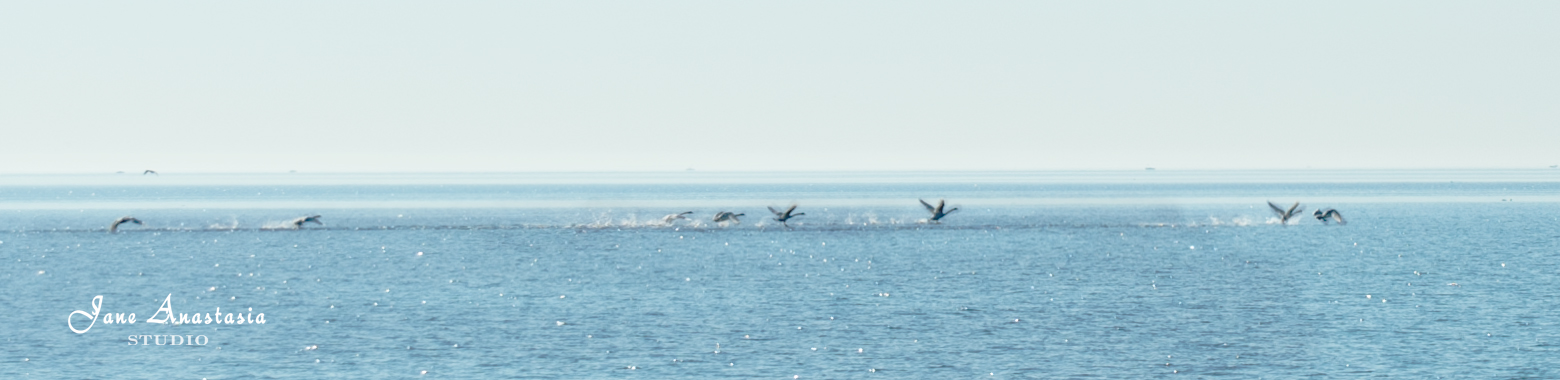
(904, 171)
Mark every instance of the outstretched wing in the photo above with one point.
(1336, 214)
(789, 210)
(113, 227)
(1275, 207)
(773, 210)
(1292, 209)
(928, 205)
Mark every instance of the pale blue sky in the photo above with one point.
(892, 85)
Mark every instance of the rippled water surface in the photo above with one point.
(1120, 275)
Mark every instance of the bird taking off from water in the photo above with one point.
(150, 171)
(937, 212)
(674, 217)
(112, 228)
(298, 223)
(1328, 214)
(782, 216)
(727, 216)
(1285, 215)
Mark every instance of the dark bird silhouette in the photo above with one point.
(727, 216)
(1327, 214)
(112, 228)
(1285, 215)
(149, 171)
(674, 217)
(937, 212)
(298, 223)
(782, 216)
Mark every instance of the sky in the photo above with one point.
(390, 86)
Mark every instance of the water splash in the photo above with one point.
(232, 225)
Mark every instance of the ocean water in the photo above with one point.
(1163, 274)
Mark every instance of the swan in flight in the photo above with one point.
(1328, 214)
(937, 212)
(112, 228)
(674, 217)
(782, 216)
(727, 216)
(298, 223)
(150, 171)
(1285, 215)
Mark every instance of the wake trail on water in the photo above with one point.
(283, 225)
(230, 226)
(1237, 221)
(650, 227)
(608, 221)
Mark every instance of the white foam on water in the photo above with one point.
(279, 225)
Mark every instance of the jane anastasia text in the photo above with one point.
(163, 315)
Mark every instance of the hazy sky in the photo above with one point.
(317, 86)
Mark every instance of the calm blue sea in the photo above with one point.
(1152, 274)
